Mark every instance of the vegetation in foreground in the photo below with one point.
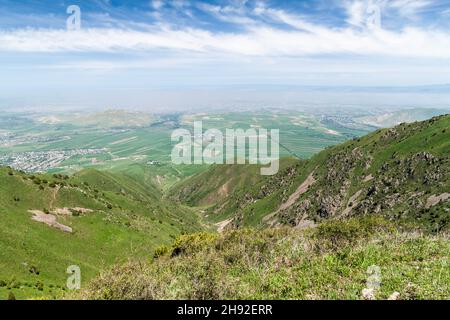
(92, 219)
(328, 262)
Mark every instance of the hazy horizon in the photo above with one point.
(183, 55)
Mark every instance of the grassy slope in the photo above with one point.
(408, 163)
(330, 262)
(129, 221)
(215, 185)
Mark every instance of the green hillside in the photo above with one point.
(112, 218)
(382, 199)
(331, 262)
(403, 172)
(376, 202)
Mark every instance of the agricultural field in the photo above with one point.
(120, 141)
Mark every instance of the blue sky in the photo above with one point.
(178, 53)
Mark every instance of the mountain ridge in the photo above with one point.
(392, 170)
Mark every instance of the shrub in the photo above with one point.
(11, 296)
(40, 286)
(342, 233)
(189, 244)
(161, 251)
(34, 270)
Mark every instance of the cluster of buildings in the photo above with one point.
(41, 161)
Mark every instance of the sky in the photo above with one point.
(183, 53)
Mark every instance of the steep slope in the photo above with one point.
(215, 186)
(402, 172)
(92, 219)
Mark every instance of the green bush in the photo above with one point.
(189, 244)
(40, 286)
(338, 233)
(161, 251)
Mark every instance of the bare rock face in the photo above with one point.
(368, 294)
(394, 296)
(329, 206)
(390, 134)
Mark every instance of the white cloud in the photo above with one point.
(409, 8)
(358, 11)
(256, 41)
(157, 4)
(258, 36)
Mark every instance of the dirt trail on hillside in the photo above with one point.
(225, 189)
(55, 193)
(293, 198)
(434, 200)
(301, 190)
(352, 203)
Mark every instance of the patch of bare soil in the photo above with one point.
(270, 218)
(221, 193)
(223, 224)
(434, 200)
(50, 220)
(300, 190)
(70, 211)
(224, 190)
(368, 178)
(352, 203)
(81, 210)
(306, 224)
(62, 211)
(54, 195)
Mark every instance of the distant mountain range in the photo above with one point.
(391, 119)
